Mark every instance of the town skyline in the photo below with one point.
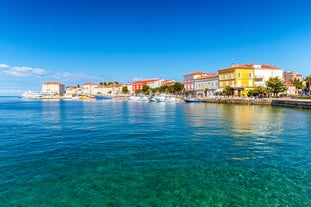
(79, 41)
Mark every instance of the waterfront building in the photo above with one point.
(263, 72)
(243, 77)
(88, 88)
(152, 83)
(206, 85)
(239, 77)
(73, 90)
(99, 90)
(291, 88)
(290, 76)
(53, 88)
(168, 82)
(114, 89)
(129, 88)
(190, 78)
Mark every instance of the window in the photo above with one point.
(239, 75)
(226, 76)
(232, 75)
(250, 75)
(250, 83)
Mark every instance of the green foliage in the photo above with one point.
(298, 84)
(275, 86)
(256, 91)
(178, 87)
(138, 91)
(103, 83)
(229, 90)
(125, 90)
(146, 89)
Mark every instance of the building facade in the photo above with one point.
(88, 88)
(289, 76)
(262, 73)
(73, 90)
(53, 88)
(152, 83)
(239, 77)
(189, 79)
(206, 85)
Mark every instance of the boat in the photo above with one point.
(102, 97)
(30, 95)
(139, 98)
(165, 98)
(194, 100)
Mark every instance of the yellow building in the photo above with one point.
(239, 77)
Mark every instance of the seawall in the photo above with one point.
(247, 101)
(301, 104)
(294, 103)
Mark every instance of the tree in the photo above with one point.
(229, 90)
(178, 87)
(103, 83)
(125, 90)
(298, 84)
(275, 85)
(146, 89)
(256, 91)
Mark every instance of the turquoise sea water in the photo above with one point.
(107, 153)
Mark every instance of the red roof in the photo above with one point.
(89, 83)
(53, 83)
(250, 66)
(196, 73)
(146, 81)
(72, 87)
(208, 76)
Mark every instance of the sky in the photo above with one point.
(76, 41)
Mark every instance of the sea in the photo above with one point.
(121, 153)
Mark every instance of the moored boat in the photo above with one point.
(102, 97)
(194, 100)
(30, 95)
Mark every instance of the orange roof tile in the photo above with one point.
(89, 83)
(53, 83)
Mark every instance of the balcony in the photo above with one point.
(260, 77)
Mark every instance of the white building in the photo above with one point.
(53, 88)
(207, 82)
(262, 73)
(291, 89)
(73, 90)
(189, 79)
(129, 87)
(89, 88)
(290, 76)
(156, 83)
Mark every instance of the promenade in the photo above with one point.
(285, 102)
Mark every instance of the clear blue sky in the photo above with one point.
(77, 41)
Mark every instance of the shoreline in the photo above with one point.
(284, 102)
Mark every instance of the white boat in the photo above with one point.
(138, 98)
(30, 95)
(165, 98)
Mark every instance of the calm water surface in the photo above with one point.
(106, 153)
